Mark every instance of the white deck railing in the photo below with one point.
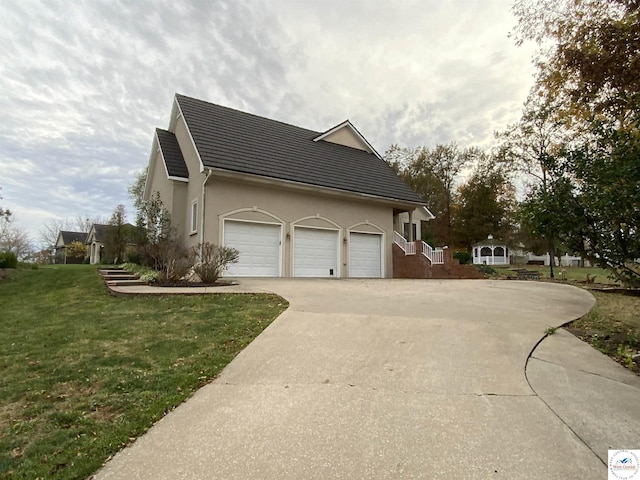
(409, 248)
(434, 256)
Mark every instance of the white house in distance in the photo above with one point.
(490, 252)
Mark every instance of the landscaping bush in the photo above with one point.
(170, 258)
(463, 256)
(486, 269)
(134, 257)
(145, 274)
(212, 260)
(8, 260)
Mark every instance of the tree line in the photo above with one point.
(575, 149)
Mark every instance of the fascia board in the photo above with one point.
(186, 125)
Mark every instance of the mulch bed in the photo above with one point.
(218, 283)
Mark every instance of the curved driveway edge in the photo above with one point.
(378, 379)
(593, 395)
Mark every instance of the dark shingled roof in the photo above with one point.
(100, 229)
(172, 154)
(68, 237)
(241, 142)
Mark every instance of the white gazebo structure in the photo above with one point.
(490, 252)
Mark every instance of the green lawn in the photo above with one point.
(83, 372)
(612, 326)
(571, 274)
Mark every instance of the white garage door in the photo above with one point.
(315, 252)
(365, 257)
(259, 247)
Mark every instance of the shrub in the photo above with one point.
(134, 257)
(8, 260)
(463, 256)
(486, 269)
(76, 250)
(212, 260)
(145, 274)
(170, 258)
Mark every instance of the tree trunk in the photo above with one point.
(552, 257)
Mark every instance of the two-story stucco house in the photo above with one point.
(294, 202)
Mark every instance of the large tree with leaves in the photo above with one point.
(532, 147)
(434, 175)
(590, 54)
(588, 64)
(485, 204)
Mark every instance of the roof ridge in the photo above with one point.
(250, 114)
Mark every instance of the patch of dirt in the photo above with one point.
(9, 413)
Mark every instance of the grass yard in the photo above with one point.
(612, 326)
(571, 274)
(83, 372)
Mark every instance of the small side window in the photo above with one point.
(194, 216)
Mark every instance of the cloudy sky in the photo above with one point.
(83, 84)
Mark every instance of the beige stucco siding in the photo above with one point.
(345, 137)
(189, 192)
(228, 199)
(161, 184)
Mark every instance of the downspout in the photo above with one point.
(202, 208)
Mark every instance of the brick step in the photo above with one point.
(418, 266)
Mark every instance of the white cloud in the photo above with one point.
(84, 84)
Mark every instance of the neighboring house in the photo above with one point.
(96, 238)
(64, 239)
(95, 243)
(294, 202)
(566, 260)
(491, 252)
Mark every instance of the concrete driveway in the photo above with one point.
(389, 379)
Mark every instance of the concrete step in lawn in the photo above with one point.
(115, 277)
(120, 276)
(124, 283)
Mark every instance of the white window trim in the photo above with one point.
(194, 218)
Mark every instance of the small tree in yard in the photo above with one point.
(159, 246)
(213, 260)
(76, 250)
(153, 227)
(117, 236)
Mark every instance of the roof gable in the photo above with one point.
(348, 135)
(96, 232)
(239, 142)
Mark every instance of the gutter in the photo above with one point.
(202, 208)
